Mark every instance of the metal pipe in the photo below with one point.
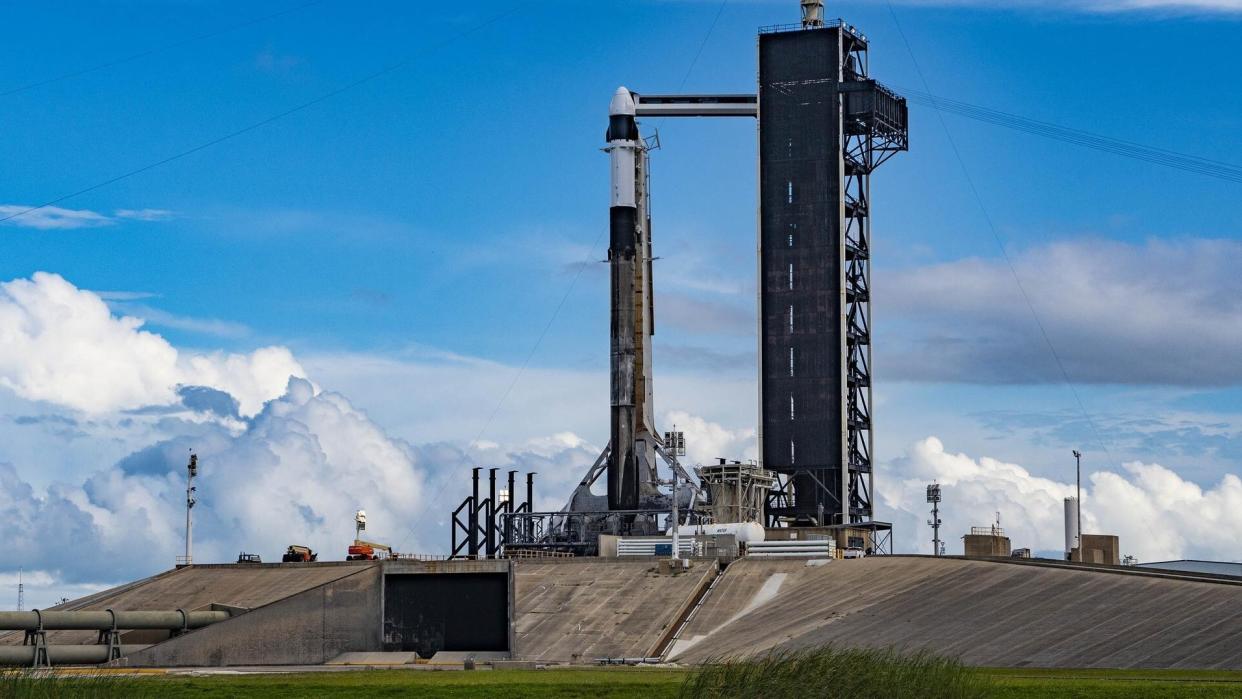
(473, 542)
(64, 655)
(512, 493)
(491, 512)
(528, 531)
(104, 620)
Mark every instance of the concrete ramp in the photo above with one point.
(988, 613)
(374, 659)
(577, 610)
(247, 586)
(308, 627)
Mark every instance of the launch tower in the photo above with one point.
(824, 126)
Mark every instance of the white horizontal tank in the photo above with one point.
(745, 532)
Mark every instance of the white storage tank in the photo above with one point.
(745, 532)
(1071, 524)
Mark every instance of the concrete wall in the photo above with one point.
(308, 628)
(986, 545)
(1099, 548)
(578, 609)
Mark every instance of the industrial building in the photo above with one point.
(986, 542)
(1228, 568)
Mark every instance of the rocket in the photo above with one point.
(623, 150)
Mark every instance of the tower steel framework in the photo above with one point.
(824, 127)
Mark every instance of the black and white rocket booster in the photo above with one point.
(623, 149)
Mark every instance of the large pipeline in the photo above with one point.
(107, 620)
(63, 655)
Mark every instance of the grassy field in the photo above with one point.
(639, 683)
(1110, 684)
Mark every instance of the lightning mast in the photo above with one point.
(190, 489)
(933, 497)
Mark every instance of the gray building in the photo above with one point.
(1191, 566)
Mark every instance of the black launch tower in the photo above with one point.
(824, 126)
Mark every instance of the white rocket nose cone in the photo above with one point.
(622, 102)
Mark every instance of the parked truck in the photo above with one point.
(299, 554)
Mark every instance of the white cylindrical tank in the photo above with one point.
(745, 532)
(1071, 524)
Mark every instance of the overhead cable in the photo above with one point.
(275, 117)
(987, 217)
(1129, 149)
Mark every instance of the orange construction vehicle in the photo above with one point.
(299, 554)
(364, 550)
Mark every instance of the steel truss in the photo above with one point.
(873, 130)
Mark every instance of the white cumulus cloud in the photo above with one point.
(706, 441)
(295, 474)
(1116, 312)
(1157, 514)
(62, 344)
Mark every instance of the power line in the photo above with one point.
(1129, 149)
(276, 117)
(1043, 331)
(156, 49)
(702, 44)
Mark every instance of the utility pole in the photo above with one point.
(190, 489)
(933, 496)
(676, 533)
(1078, 504)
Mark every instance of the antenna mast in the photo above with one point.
(1078, 499)
(21, 592)
(933, 496)
(191, 471)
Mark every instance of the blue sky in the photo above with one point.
(437, 215)
(366, 205)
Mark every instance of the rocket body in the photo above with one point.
(623, 150)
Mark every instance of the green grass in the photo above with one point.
(46, 684)
(832, 672)
(1113, 684)
(610, 683)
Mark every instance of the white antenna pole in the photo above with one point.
(21, 592)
